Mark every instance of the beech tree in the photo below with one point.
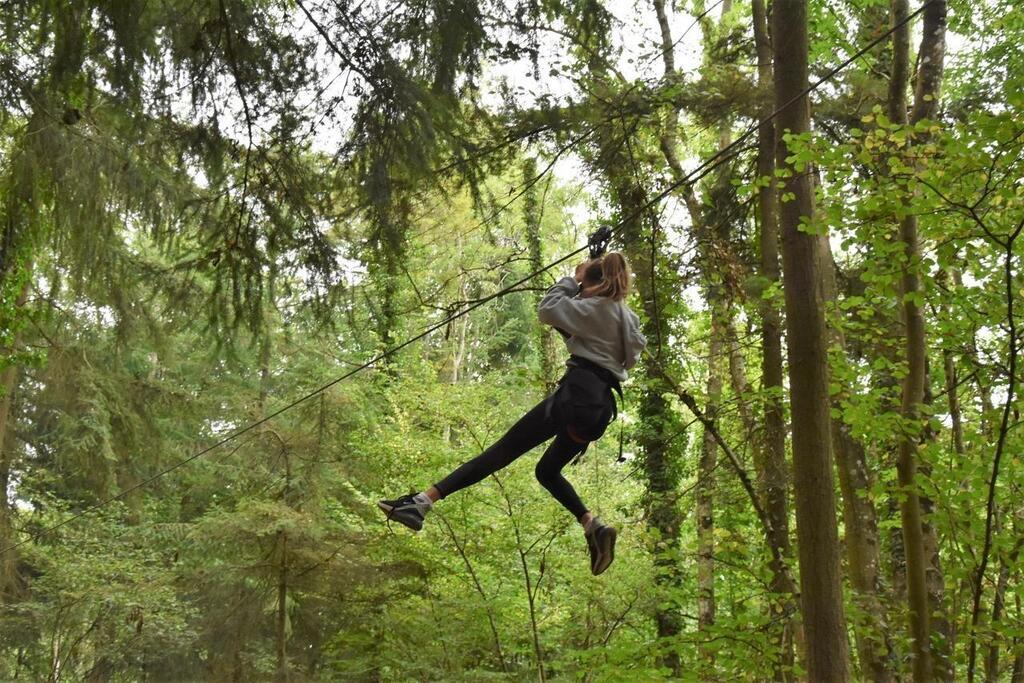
(803, 251)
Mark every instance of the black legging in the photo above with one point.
(533, 429)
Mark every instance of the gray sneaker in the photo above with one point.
(405, 510)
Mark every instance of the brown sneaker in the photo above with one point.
(601, 543)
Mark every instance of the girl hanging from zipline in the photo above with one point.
(604, 340)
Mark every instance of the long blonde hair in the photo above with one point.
(610, 276)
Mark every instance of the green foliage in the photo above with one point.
(207, 211)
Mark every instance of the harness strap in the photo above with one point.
(602, 372)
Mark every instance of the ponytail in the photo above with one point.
(611, 274)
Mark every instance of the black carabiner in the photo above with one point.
(598, 242)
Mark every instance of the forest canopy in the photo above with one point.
(263, 262)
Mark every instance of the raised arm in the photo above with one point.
(559, 309)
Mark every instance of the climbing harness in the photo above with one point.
(584, 402)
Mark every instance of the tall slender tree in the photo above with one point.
(804, 286)
(772, 446)
(532, 214)
(928, 82)
(913, 384)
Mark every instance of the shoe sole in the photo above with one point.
(595, 553)
(390, 511)
(606, 549)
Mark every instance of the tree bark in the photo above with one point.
(913, 386)
(772, 448)
(739, 382)
(950, 372)
(389, 216)
(655, 415)
(660, 469)
(281, 639)
(860, 521)
(8, 382)
(531, 217)
(1018, 661)
(706, 482)
(281, 627)
(714, 239)
(874, 649)
(942, 629)
(931, 61)
(821, 594)
(998, 602)
(661, 473)
(8, 385)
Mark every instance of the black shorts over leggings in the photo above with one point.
(530, 431)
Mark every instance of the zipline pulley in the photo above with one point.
(598, 242)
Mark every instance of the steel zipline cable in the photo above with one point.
(704, 168)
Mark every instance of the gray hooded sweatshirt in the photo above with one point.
(596, 328)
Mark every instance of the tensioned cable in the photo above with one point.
(710, 164)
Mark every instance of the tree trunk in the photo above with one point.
(988, 409)
(282, 608)
(660, 470)
(739, 382)
(949, 367)
(661, 473)
(913, 383)
(532, 210)
(817, 531)
(655, 415)
(390, 214)
(264, 386)
(1018, 660)
(992, 657)
(874, 649)
(714, 239)
(942, 630)
(913, 386)
(772, 448)
(8, 385)
(885, 383)
(458, 354)
(706, 482)
(281, 630)
(8, 382)
(860, 521)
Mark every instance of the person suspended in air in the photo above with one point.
(604, 339)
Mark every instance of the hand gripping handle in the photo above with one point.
(598, 242)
